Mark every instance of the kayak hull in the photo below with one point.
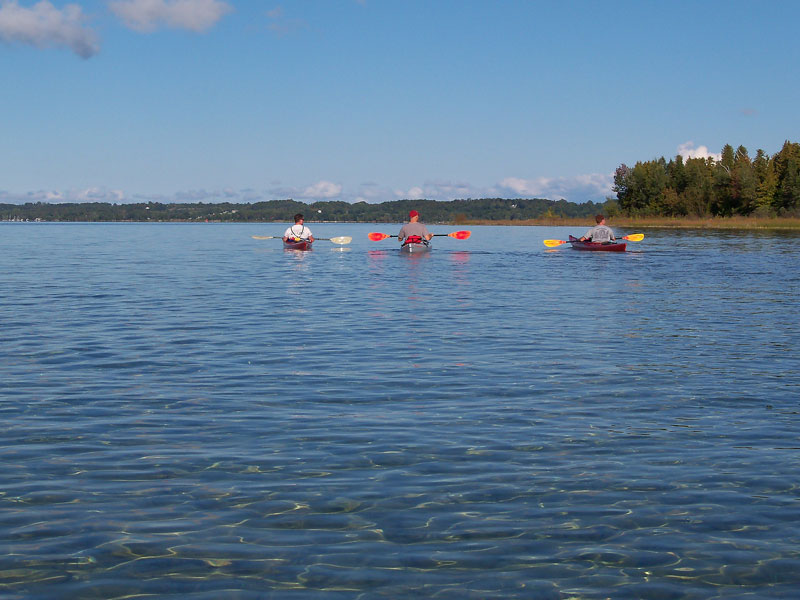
(302, 245)
(415, 248)
(597, 247)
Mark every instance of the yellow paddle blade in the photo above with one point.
(552, 243)
(343, 239)
(634, 237)
(262, 237)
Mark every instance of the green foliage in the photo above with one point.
(490, 209)
(734, 185)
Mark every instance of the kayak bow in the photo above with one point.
(301, 245)
(415, 247)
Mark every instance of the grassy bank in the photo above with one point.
(659, 222)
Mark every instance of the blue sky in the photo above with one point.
(376, 100)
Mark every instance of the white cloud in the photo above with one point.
(415, 193)
(148, 15)
(66, 196)
(687, 150)
(526, 187)
(43, 25)
(430, 190)
(579, 188)
(322, 189)
(98, 195)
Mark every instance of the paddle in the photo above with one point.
(633, 237)
(345, 239)
(459, 235)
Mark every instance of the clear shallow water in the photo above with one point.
(188, 412)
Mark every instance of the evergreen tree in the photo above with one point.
(787, 170)
(744, 183)
(766, 182)
(698, 194)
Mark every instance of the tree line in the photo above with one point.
(432, 211)
(734, 184)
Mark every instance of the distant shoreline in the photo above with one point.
(707, 223)
(790, 223)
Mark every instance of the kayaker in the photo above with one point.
(298, 231)
(600, 233)
(414, 229)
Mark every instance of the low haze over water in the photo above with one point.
(188, 412)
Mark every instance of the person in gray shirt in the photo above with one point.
(414, 229)
(600, 233)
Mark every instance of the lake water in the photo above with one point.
(187, 412)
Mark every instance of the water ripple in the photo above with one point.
(188, 413)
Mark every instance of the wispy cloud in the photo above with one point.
(321, 190)
(435, 190)
(64, 196)
(280, 24)
(688, 150)
(149, 15)
(579, 188)
(43, 25)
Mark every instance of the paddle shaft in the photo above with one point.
(458, 235)
(336, 240)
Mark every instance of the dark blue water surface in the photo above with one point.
(188, 412)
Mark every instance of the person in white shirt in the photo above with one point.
(298, 231)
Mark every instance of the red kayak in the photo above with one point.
(301, 245)
(597, 246)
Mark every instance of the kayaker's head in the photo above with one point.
(599, 219)
(413, 215)
(298, 218)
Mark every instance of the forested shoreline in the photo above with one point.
(433, 211)
(734, 185)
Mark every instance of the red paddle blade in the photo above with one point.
(377, 237)
(460, 235)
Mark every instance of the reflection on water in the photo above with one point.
(186, 411)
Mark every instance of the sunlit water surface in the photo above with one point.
(187, 412)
